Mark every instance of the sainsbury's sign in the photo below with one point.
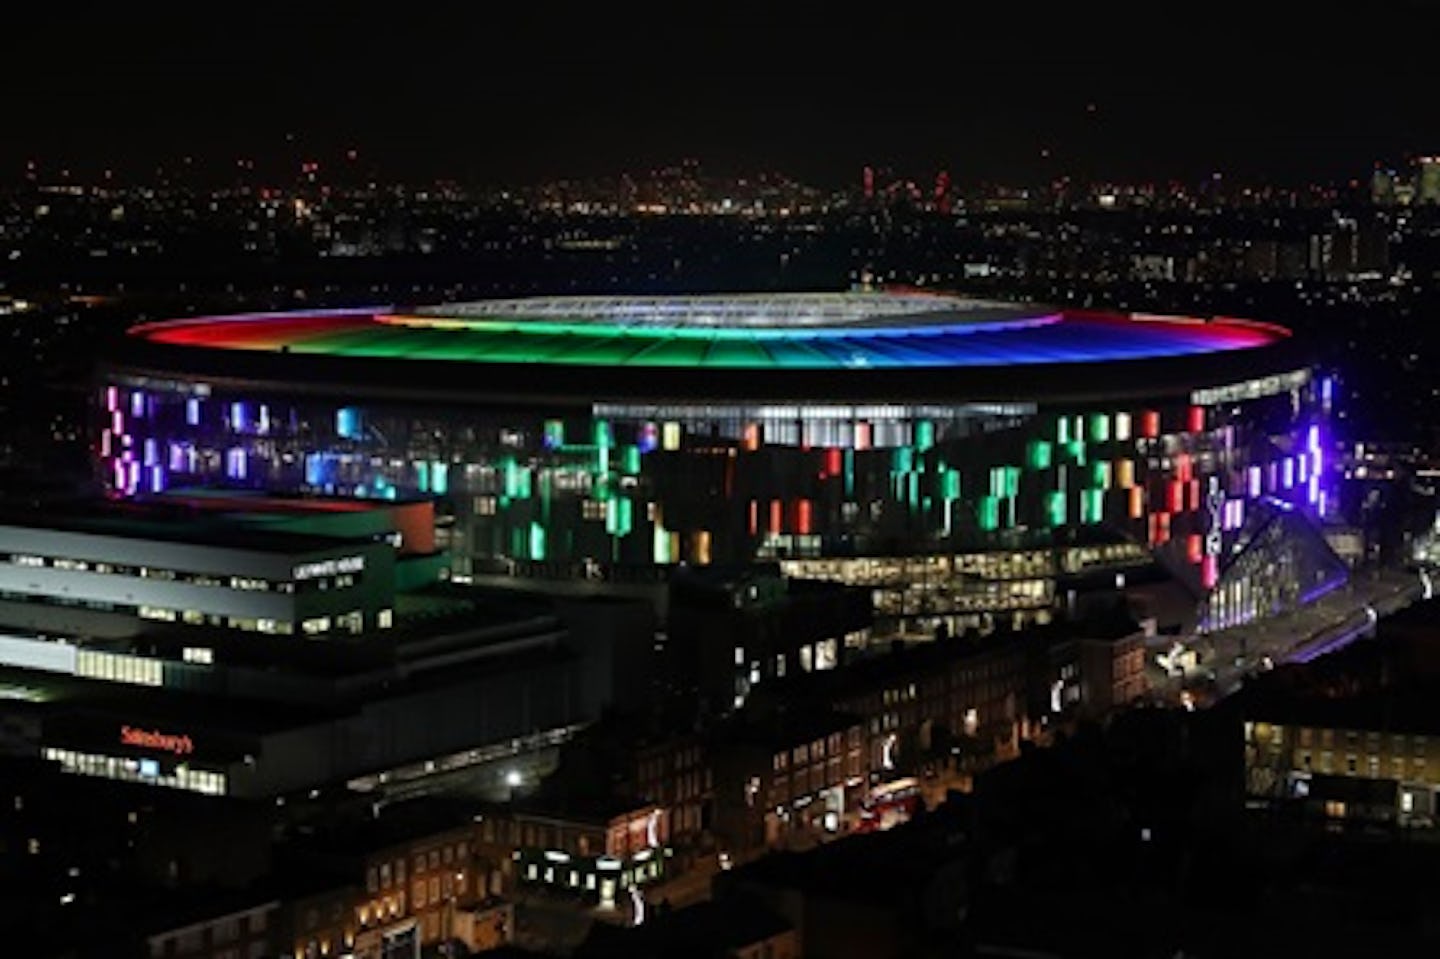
(150, 739)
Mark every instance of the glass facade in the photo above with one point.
(634, 488)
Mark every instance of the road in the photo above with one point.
(1331, 622)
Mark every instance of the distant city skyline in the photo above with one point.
(351, 171)
(480, 100)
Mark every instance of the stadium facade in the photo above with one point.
(613, 438)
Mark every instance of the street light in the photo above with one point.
(452, 905)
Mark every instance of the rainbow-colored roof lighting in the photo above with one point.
(759, 332)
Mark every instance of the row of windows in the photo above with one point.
(1395, 768)
(808, 752)
(138, 770)
(825, 654)
(442, 856)
(241, 583)
(875, 571)
(351, 622)
(572, 878)
(162, 947)
(69, 602)
(687, 785)
(813, 778)
(508, 832)
(937, 707)
(679, 759)
(194, 617)
(900, 694)
(69, 564)
(119, 668)
(439, 888)
(222, 931)
(382, 909)
(1326, 737)
(383, 875)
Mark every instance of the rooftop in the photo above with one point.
(593, 808)
(785, 726)
(171, 524)
(1408, 709)
(813, 331)
(75, 697)
(906, 856)
(714, 928)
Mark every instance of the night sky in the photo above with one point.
(1179, 92)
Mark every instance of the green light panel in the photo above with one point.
(950, 484)
(660, 543)
(1055, 507)
(619, 517)
(924, 435)
(988, 513)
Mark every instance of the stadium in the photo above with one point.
(616, 437)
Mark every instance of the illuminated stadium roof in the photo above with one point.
(846, 331)
(743, 310)
(570, 352)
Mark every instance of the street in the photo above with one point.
(1329, 623)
